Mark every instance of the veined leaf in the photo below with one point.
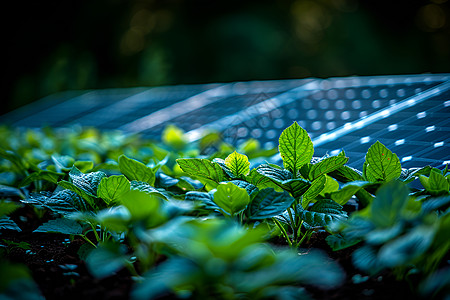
(338, 242)
(296, 187)
(326, 166)
(221, 163)
(314, 190)
(258, 180)
(238, 164)
(135, 170)
(63, 202)
(381, 164)
(322, 213)
(275, 173)
(231, 198)
(250, 188)
(347, 191)
(436, 184)
(64, 226)
(409, 175)
(203, 168)
(296, 148)
(147, 188)
(112, 187)
(346, 174)
(90, 199)
(205, 198)
(330, 186)
(269, 203)
(7, 223)
(87, 182)
(282, 178)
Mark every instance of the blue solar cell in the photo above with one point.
(409, 114)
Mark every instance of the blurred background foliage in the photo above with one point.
(72, 44)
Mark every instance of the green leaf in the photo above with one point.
(365, 259)
(347, 191)
(381, 164)
(346, 174)
(61, 225)
(274, 172)
(230, 198)
(203, 168)
(326, 166)
(238, 164)
(434, 204)
(111, 188)
(143, 206)
(91, 200)
(322, 213)
(63, 163)
(379, 236)
(338, 242)
(63, 202)
(7, 223)
(7, 207)
(107, 259)
(330, 186)
(174, 137)
(269, 203)
(436, 184)
(283, 179)
(49, 176)
(403, 250)
(135, 170)
(87, 182)
(205, 198)
(250, 188)
(314, 190)
(258, 180)
(409, 175)
(389, 203)
(147, 188)
(296, 148)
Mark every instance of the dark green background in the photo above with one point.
(68, 45)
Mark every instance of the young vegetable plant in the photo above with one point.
(219, 259)
(398, 232)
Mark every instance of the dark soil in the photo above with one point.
(60, 273)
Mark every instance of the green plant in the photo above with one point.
(216, 259)
(398, 231)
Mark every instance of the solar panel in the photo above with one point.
(409, 114)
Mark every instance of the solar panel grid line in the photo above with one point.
(202, 99)
(381, 114)
(247, 113)
(135, 102)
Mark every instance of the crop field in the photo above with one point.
(101, 214)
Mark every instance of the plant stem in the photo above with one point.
(94, 228)
(88, 240)
(286, 236)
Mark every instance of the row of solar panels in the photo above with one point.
(409, 114)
